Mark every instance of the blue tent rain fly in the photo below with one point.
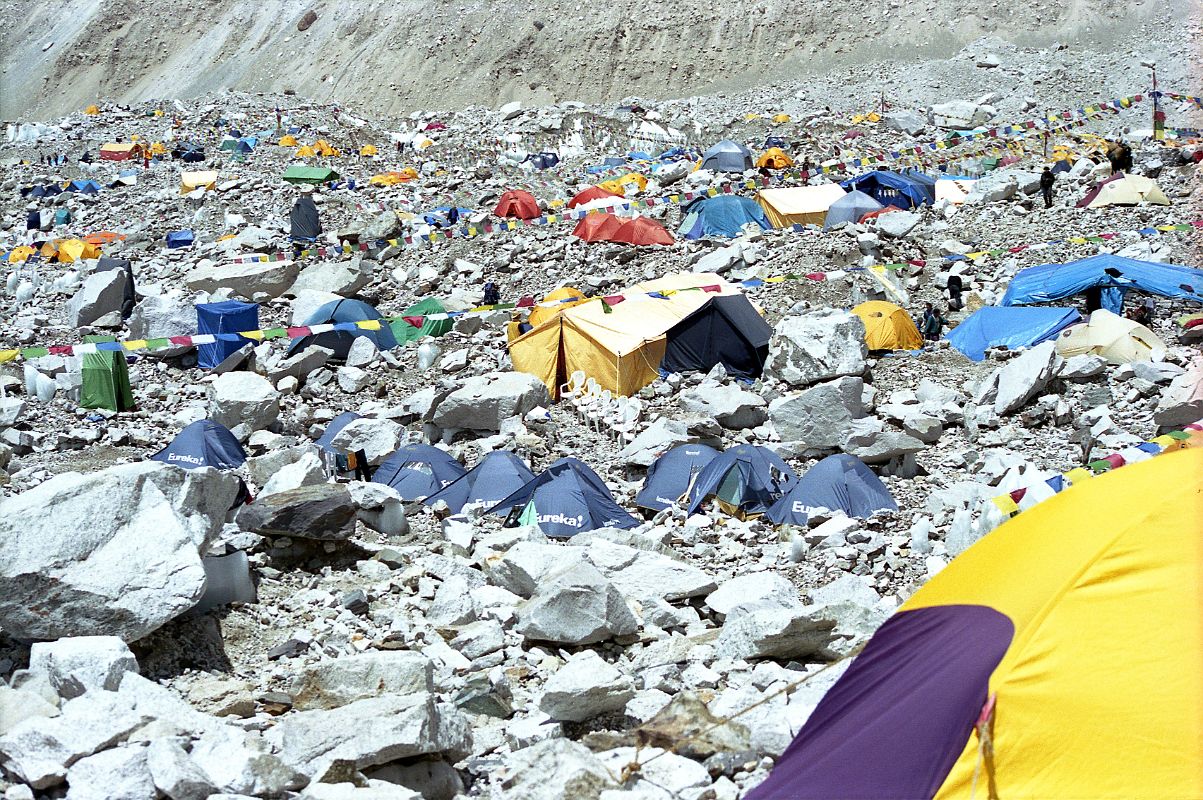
(1010, 327)
(224, 320)
(850, 208)
(722, 216)
(902, 189)
(417, 471)
(204, 443)
(727, 156)
(746, 480)
(838, 483)
(543, 160)
(670, 477)
(344, 314)
(566, 499)
(326, 440)
(84, 187)
(180, 239)
(496, 477)
(1114, 275)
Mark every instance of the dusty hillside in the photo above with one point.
(402, 54)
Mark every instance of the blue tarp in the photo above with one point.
(669, 477)
(326, 441)
(229, 317)
(1115, 275)
(749, 477)
(727, 156)
(1011, 327)
(902, 189)
(417, 471)
(346, 311)
(850, 208)
(180, 238)
(838, 483)
(774, 141)
(496, 477)
(543, 160)
(204, 443)
(722, 215)
(566, 499)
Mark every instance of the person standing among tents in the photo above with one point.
(924, 317)
(933, 325)
(1046, 186)
(492, 296)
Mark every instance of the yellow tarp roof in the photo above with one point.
(803, 205)
(189, 181)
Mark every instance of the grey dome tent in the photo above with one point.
(727, 156)
(850, 208)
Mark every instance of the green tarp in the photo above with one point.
(106, 382)
(404, 332)
(298, 173)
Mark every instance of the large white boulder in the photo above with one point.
(101, 294)
(78, 664)
(1011, 386)
(575, 605)
(112, 552)
(819, 417)
(1182, 402)
(272, 278)
(586, 687)
(483, 402)
(378, 438)
(162, 316)
(243, 398)
(340, 681)
(817, 346)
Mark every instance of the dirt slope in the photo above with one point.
(398, 55)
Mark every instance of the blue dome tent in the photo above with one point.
(496, 477)
(746, 480)
(417, 471)
(907, 189)
(344, 314)
(566, 499)
(839, 483)
(671, 475)
(720, 216)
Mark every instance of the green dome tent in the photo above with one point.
(404, 331)
(299, 173)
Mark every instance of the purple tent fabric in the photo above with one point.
(894, 724)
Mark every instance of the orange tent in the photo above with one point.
(879, 212)
(597, 228)
(642, 230)
(517, 203)
(104, 237)
(589, 195)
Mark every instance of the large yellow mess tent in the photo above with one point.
(799, 205)
(75, 250)
(191, 181)
(564, 298)
(1061, 656)
(620, 346)
(887, 326)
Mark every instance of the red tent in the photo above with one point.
(517, 203)
(435, 126)
(878, 213)
(642, 230)
(589, 195)
(597, 228)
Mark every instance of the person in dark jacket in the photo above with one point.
(933, 326)
(492, 294)
(1046, 186)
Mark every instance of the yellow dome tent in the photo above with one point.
(393, 178)
(287, 140)
(158, 149)
(1060, 656)
(92, 110)
(619, 186)
(781, 118)
(323, 148)
(1130, 190)
(368, 150)
(76, 249)
(1119, 340)
(20, 254)
(305, 151)
(774, 158)
(888, 327)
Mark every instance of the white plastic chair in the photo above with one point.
(598, 411)
(588, 398)
(576, 384)
(614, 415)
(628, 423)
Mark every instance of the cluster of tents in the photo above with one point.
(570, 498)
(1022, 320)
